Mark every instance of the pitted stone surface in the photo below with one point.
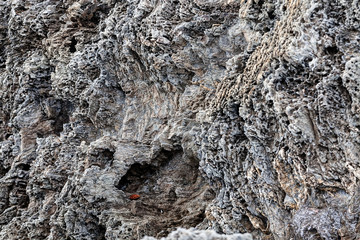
(226, 116)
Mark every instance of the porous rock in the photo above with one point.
(232, 116)
(193, 234)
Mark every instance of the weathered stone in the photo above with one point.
(192, 234)
(232, 116)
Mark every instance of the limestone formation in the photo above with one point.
(233, 116)
(192, 234)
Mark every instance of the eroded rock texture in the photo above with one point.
(192, 234)
(235, 116)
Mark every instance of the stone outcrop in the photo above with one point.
(192, 234)
(232, 116)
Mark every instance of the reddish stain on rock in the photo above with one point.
(134, 196)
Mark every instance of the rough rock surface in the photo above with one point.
(235, 116)
(192, 234)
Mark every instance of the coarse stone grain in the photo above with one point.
(224, 117)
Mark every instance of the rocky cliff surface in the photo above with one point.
(235, 116)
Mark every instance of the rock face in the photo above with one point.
(192, 234)
(234, 116)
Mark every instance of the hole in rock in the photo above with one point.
(271, 15)
(108, 155)
(3, 171)
(39, 135)
(73, 45)
(102, 232)
(95, 18)
(63, 116)
(260, 3)
(135, 177)
(105, 157)
(24, 166)
(172, 193)
(24, 201)
(245, 221)
(20, 9)
(332, 50)
(314, 234)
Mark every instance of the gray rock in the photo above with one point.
(226, 116)
(192, 234)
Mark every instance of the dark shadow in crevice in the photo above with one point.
(135, 177)
(314, 234)
(139, 173)
(102, 159)
(272, 15)
(331, 50)
(168, 187)
(73, 43)
(3, 57)
(24, 201)
(63, 117)
(101, 232)
(108, 155)
(137, 59)
(3, 171)
(23, 166)
(95, 18)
